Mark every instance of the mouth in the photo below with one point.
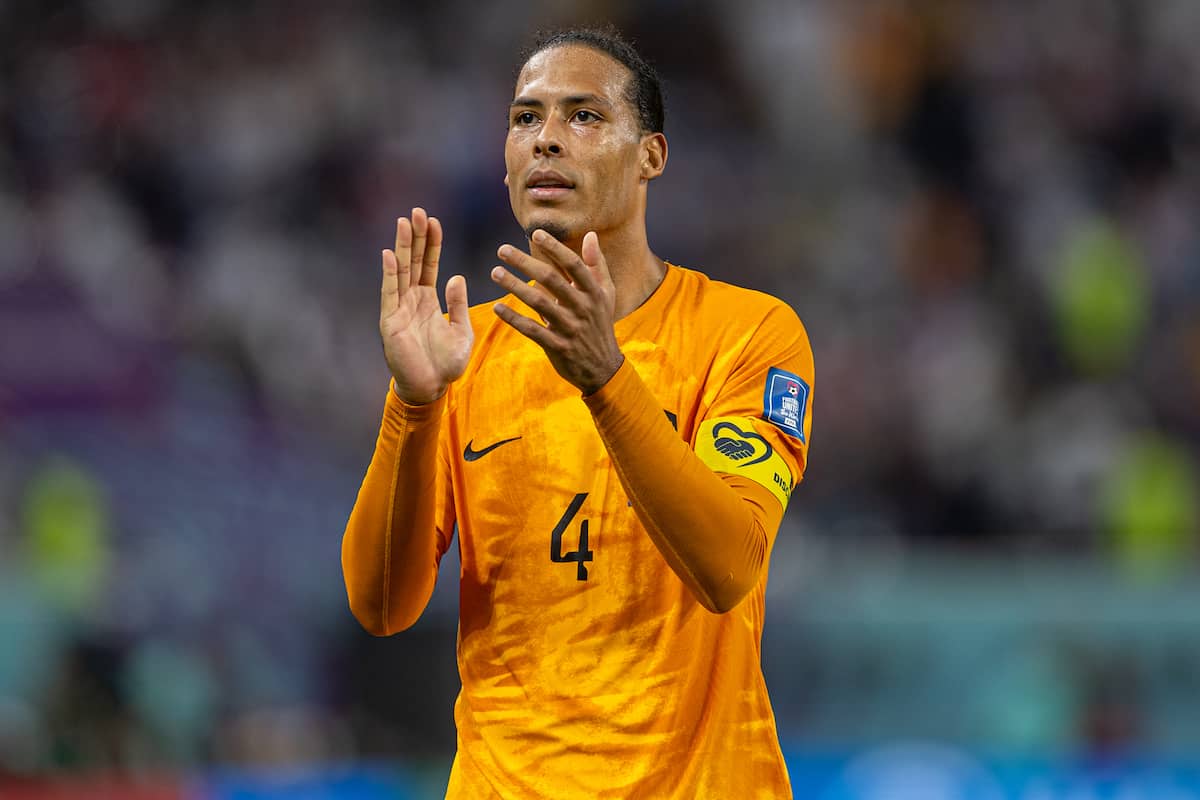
(548, 185)
(548, 192)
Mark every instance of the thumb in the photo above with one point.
(456, 302)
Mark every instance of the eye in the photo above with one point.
(583, 115)
(525, 118)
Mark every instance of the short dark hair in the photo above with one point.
(644, 92)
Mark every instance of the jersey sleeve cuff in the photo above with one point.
(400, 411)
(619, 388)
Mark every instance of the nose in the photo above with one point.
(549, 141)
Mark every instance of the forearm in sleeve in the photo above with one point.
(715, 531)
(389, 550)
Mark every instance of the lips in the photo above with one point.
(548, 185)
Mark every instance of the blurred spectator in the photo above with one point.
(987, 213)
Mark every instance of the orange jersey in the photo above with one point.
(589, 669)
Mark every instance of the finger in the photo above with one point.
(433, 253)
(594, 259)
(456, 302)
(527, 327)
(546, 275)
(403, 254)
(567, 259)
(532, 296)
(390, 299)
(420, 228)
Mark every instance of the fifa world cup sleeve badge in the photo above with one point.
(785, 401)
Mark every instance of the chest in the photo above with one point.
(535, 491)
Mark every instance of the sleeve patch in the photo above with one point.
(785, 402)
(731, 445)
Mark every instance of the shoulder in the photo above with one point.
(737, 308)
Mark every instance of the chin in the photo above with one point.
(556, 229)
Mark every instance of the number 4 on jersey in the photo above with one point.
(575, 556)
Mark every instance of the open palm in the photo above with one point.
(425, 351)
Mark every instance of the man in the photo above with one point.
(616, 441)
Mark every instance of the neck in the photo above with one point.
(636, 272)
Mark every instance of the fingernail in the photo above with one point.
(540, 235)
(497, 273)
(503, 251)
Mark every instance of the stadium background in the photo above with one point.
(987, 213)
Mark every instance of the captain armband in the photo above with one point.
(731, 445)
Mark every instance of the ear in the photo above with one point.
(654, 155)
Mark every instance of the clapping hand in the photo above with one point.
(575, 298)
(425, 351)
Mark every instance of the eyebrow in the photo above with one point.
(569, 100)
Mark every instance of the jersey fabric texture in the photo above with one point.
(589, 669)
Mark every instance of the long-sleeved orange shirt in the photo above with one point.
(600, 537)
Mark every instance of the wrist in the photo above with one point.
(410, 399)
(597, 385)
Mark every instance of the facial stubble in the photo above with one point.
(556, 230)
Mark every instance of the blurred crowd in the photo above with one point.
(987, 213)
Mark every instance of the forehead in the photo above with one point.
(572, 69)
